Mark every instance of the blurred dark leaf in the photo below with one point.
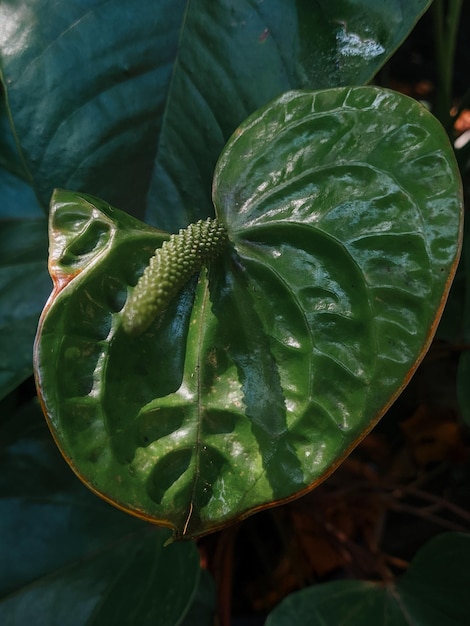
(433, 592)
(70, 559)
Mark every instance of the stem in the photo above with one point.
(224, 573)
(438, 26)
(445, 40)
(401, 507)
(440, 502)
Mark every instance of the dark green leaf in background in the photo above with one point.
(433, 592)
(264, 372)
(69, 559)
(99, 73)
(17, 196)
(201, 612)
(24, 283)
(18, 199)
(135, 104)
(24, 287)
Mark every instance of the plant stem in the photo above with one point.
(401, 507)
(445, 39)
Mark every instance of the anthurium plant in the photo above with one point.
(255, 350)
(250, 252)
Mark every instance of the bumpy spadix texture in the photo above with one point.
(169, 269)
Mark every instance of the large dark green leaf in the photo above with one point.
(134, 103)
(69, 559)
(17, 196)
(24, 286)
(9, 156)
(24, 283)
(433, 592)
(344, 227)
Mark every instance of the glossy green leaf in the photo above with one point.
(433, 592)
(69, 559)
(134, 105)
(24, 287)
(263, 373)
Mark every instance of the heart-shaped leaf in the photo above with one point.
(344, 227)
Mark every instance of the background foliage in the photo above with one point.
(135, 106)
